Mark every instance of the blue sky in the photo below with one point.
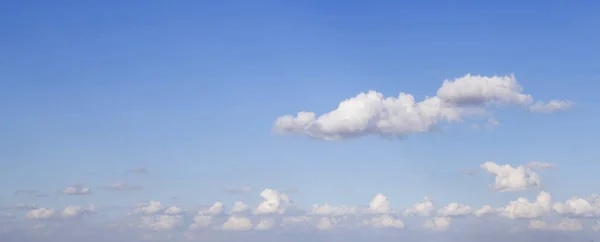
(190, 90)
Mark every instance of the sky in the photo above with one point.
(299, 120)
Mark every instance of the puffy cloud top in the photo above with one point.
(371, 113)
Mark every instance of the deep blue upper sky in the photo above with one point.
(191, 89)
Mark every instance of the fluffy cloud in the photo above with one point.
(509, 178)
(157, 219)
(174, 210)
(455, 210)
(77, 211)
(485, 210)
(524, 209)
(371, 113)
(217, 208)
(424, 209)
(239, 207)
(153, 207)
(272, 213)
(238, 224)
(41, 213)
(200, 221)
(274, 202)
(325, 224)
(578, 207)
(379, 204)
(264, 225)
(438, 223)
(161, 222)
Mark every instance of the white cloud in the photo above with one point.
(564, 225)
(524, 209)
(77, 211)
(540, 165)
(174, 210)
(509, 178)
(371, 113)
(577, 207)
(153, 207)
(264, 225)
(161, 222)
(325, 224)
(551, 106)
(77, 190)
(455, 210)
(438, 223)
(200, 221)
(570, 224)
(40, 213)
(237, 224)
(384, 221)
(379, 204)
(218, 208)
(156, 217)
(424, 209)
(239, 207)
(485, 210)
(274, 202)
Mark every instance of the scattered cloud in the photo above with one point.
(509, 178)
(371, 113)
(76, 190)
(551, 106)
(540, 165)
(274, 202)
(154, 220)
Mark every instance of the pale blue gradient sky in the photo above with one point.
(190, 90)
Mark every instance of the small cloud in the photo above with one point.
(138, 170)
(550, 107)
(540, 165)
(123, 187)
(239, 189)
(76, 190)
(493, 122)
(25, 206)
